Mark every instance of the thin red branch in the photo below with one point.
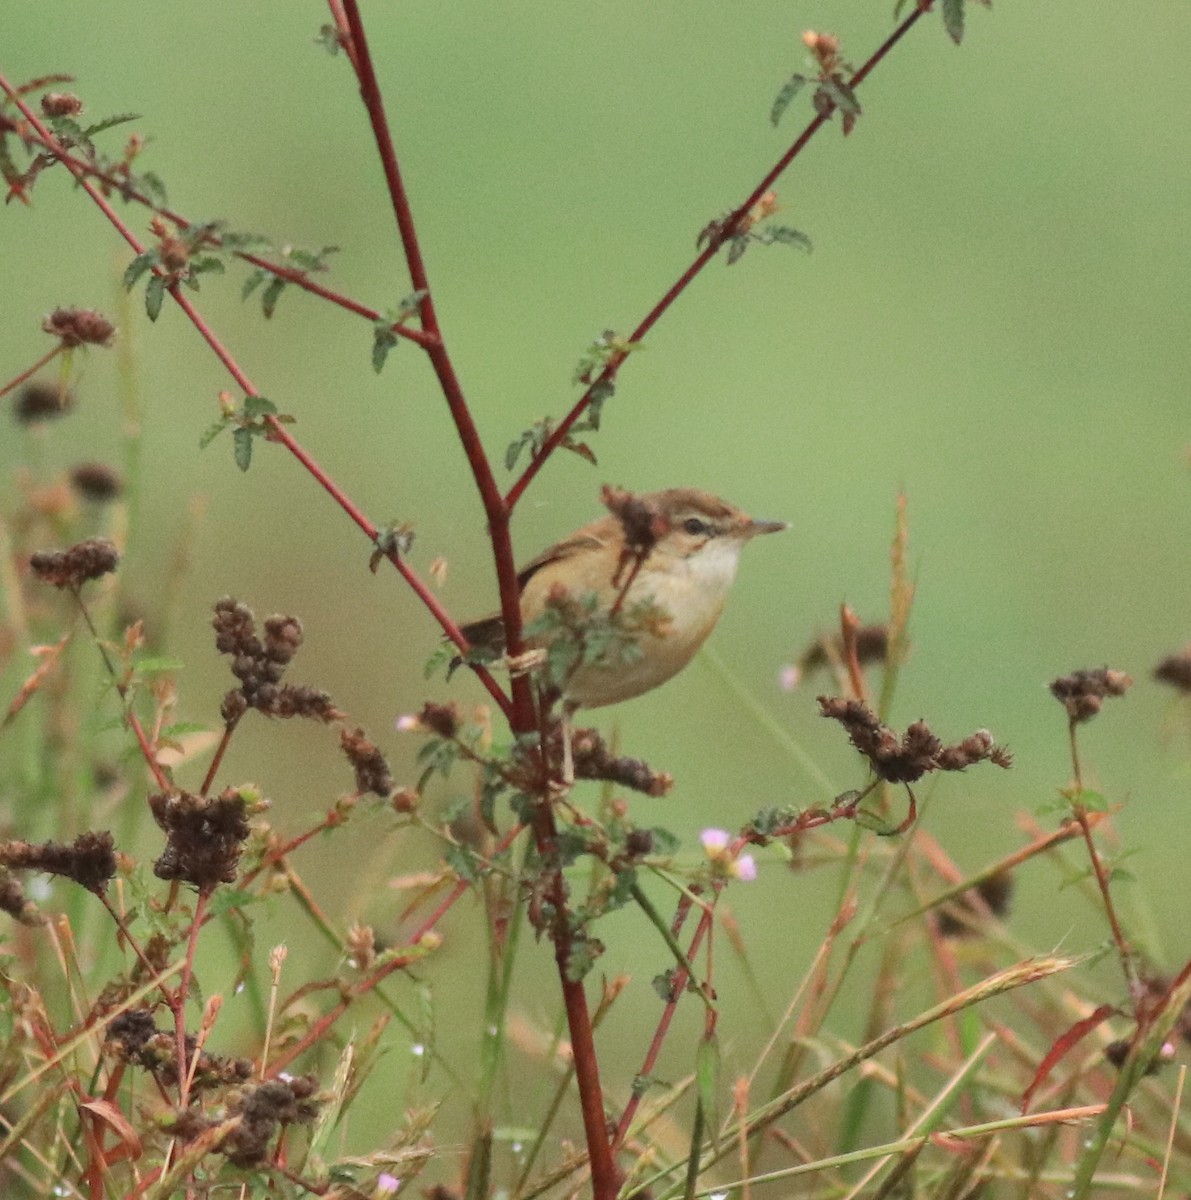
(608, 374)
(278, 431)
(495, 509)
(49, 356)
(677, 990)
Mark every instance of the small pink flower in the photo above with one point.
(789, 677)
(715, 841)
(746, 868)
(408, 723)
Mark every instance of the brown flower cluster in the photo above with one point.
(72, 568)
(61, 104)
(204, 836)
(263, 1107)
(14, 901)
(96, 482)
(134, 1038)
(90, 860)
(1082, 693)
(260, 662)
(1175, 669)
(593, 760)
(372, 769)
(80, 326)
(918, 751)
(641, 521)
(41, 402)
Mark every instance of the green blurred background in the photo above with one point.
(994, 319)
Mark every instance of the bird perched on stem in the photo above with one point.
(623, 604)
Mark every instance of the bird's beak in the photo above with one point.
(755, 527)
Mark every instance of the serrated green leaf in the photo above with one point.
(272, 294)
(153, 665)
(787, 236)
(782, 100)
(225, 899)
(410, 305)
(953, 19)
(111, 123)
(242, 448)
(213, 432)
(513, 453)
(185, 728)
(256, 407)
(328, 39)
(138, 266)
(254, 280)
(736, 248)
(383, 340)
(154, 295)
(207, 263)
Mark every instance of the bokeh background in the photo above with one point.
(993, 319)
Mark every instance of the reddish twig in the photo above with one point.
(608, 374)
(677, 989)
(48, 357)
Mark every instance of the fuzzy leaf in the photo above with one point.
(259, 406)
(383, 340)
(953, 19)
(213, 432)
(138, 266)
(154, 295)
(782, 100)
(272, 294)
(242, 448)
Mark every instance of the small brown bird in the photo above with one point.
(686, 575)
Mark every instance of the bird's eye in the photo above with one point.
(695, 527)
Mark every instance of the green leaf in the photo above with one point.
(953, 19)
(256, 407)
(463, 862)
(138, 266)
(110, 123)
(383, 340)
(328, 39)
(213, 432)
(154, 295)
(782, 100)
(513, 453)
(786, 236)
(207, 263)
(736, 248)
(254, 280)
(242, 448)
(183, 728)
(155, 665)
(225, 899)
(410, 305)
(272, 294)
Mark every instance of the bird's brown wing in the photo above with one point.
(488, 633)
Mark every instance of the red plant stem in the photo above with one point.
(677, 990)
(314, 1034)
(494, 506)
(523, 717)
(41, 362)
(228, 729)
(179, 1001)
(1118, 934)
(297, 277)
(278, 431)
(608, 374)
